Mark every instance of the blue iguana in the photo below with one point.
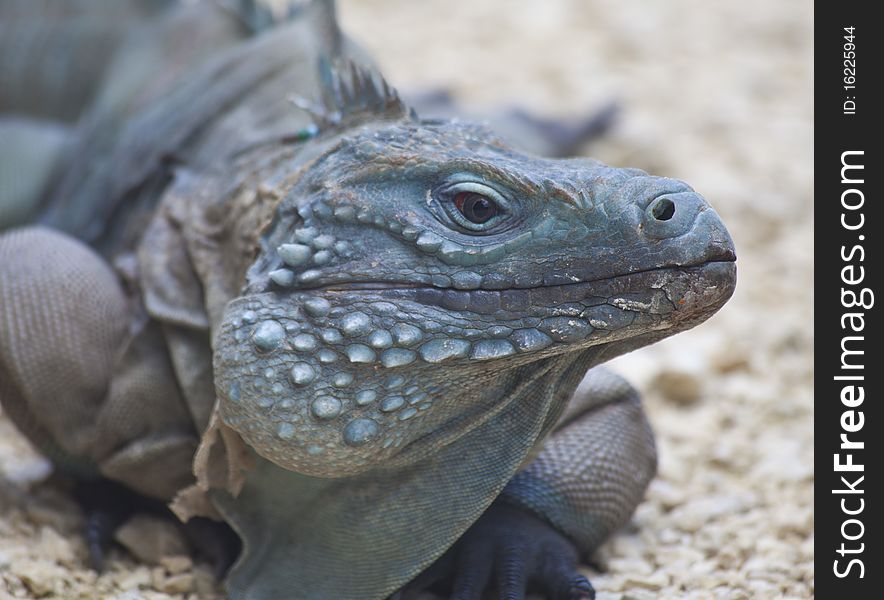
(257, 285)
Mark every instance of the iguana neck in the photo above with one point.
(313, 525)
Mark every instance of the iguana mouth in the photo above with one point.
(476, 300)
(569, 312)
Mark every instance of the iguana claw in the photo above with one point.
(508, 550)
(107, 505)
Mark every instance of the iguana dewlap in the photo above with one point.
(385, 319)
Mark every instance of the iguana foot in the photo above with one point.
(215, 541)
(107, 505)
(508, 550)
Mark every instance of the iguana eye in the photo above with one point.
(475, 207)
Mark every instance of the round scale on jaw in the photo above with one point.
(342, 379)
(384, 308)
(331, 336)
(491, 349)
(355, 324)
(365, 397)
(407, 413)
(321, 209)
(360, 353)
(309, 276)
(268, 336)
(405, 334)
(392, 403)
(317, 307)
(304, 342)
(327, 356)
(417, 397)
(360, 431)
(529, 340)
(431, 326)
(380, 338)
(345, 213)
(441, 281)
(440, 350)
(323, 242)
(294, 255)
(285, 431)
(283, 277)
(394, 382)
(326, 407)
(305, 235)
(397, 357)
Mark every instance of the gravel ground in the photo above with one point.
(717, 94)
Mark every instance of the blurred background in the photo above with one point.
(717, 94)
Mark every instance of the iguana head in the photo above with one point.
(420, 271)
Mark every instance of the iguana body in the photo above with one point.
(377, 331)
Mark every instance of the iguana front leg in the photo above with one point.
(63, 319)
(88, 382)
(86, 378)
(584, 484)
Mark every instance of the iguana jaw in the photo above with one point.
(334, 382)
(712, 285)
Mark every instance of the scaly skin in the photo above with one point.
(378, 325)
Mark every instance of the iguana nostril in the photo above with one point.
(664, 209)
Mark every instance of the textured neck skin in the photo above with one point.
(367, 535)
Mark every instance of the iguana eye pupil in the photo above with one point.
(475, 207)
